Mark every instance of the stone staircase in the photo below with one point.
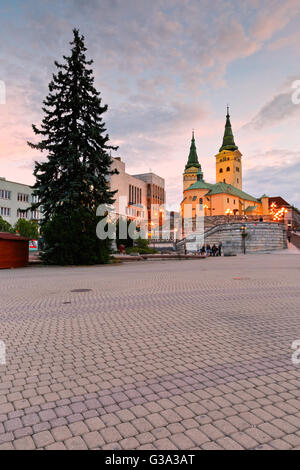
(261, 237)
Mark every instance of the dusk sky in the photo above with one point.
(164, 67)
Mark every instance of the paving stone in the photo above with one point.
(229, 444)
(93, 440)
(56, 446)
(75, 443)
(25, 443)
(111, 434)
(181, 441)
(197, 436)
(13, 424)
(94, 424)
(129, 443)
(164, 444)
(6, 446)
(61, 433)
(43, 439)
(22, 432)
(78, 428)
(127, 430)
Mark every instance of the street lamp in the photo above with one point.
(244, 235)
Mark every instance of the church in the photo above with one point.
(226, 196)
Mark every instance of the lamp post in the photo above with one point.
(244, 235)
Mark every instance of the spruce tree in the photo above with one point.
(73, 181)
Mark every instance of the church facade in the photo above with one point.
(226, 196)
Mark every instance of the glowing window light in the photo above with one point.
(277, 214)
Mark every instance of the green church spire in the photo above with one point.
(193, 157)
(228, 139)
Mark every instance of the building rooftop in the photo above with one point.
(220, 188)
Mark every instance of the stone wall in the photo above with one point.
(261, 236)
(212, 221)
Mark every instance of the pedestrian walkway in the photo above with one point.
(291, 250)
(153, 355)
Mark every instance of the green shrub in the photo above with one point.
(27, 228)
(5, 226)
(141, 251)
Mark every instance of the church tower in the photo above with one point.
(228, 160)
(192, 166)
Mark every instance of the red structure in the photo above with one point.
(14, 251)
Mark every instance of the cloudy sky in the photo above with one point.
(164, 67)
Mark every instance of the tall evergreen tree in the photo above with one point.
(73, 181)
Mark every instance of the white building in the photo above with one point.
(15, 202)
(140, 197)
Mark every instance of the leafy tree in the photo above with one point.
(27, 228)
(73, 181)
(5, 226)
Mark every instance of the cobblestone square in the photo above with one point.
(156, 355)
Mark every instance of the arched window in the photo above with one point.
(228, 169)
(221, 170)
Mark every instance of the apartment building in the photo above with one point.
(140, 197)
(15, 202)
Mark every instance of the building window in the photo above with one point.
(228, 169)
(237, 168)
(35, 199)
(35, 215)
(200, 200)
(5, 194)
(237, 180)
(228, 200)
(22, 214)
(23, 197)
(129, 201)
(234, 201)
(221, 170)
(5, 211)
(224, 181)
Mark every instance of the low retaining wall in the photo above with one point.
(157, 257)
(261, 236)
